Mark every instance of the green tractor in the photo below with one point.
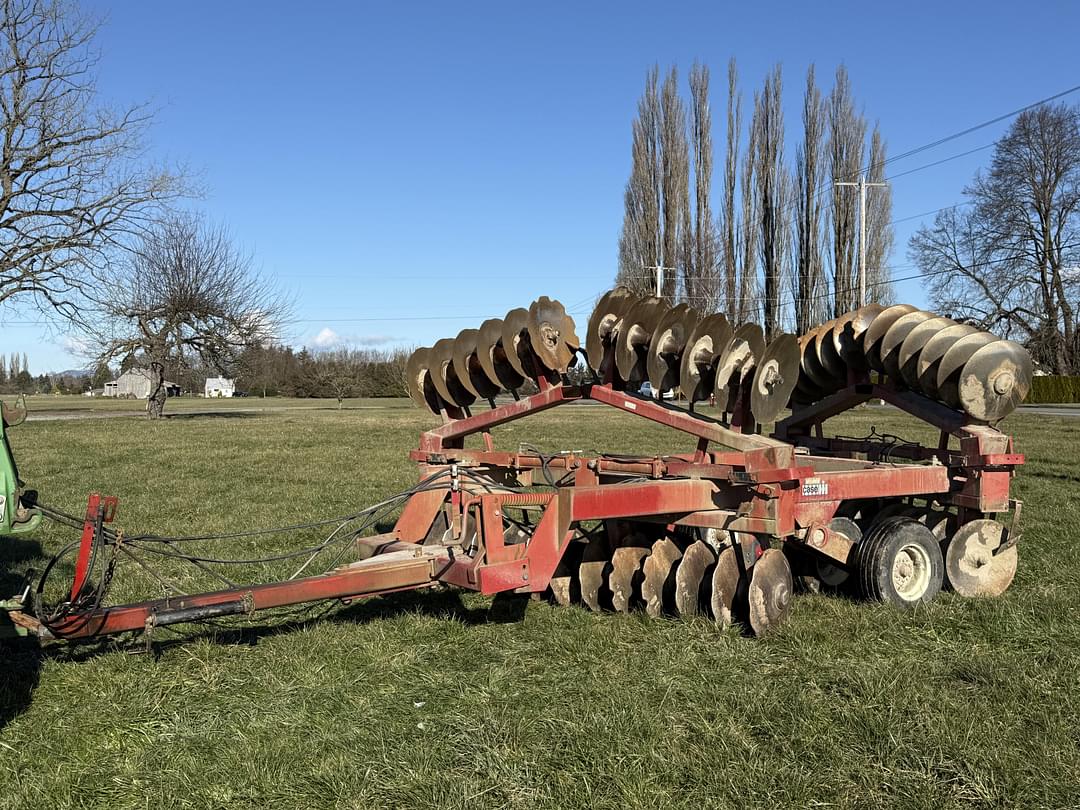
(15, 517)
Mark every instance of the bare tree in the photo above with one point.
(809, 282)
(699, 263)
(747, 290)
(1010, 261)
(70, 181)
(657, 194)
(879, 230)
(847, 133)
(729, 221)
(768, 126)
(183, 294)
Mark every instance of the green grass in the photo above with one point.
(441, 699)
(67, 403)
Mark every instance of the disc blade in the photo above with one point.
(828, 355)
(493, 359)
(875, 333)
(624, 581)
(849, 332)
(690, 577)
(419, 382)
(444, 376)
(775, 376)
(602, 330)
(667, 344)
(736, 364)
(995, 380)
(894, 338)
(770, 591)
(974, 566)
(725, 587)
(698, 367)
(551, 334)
(513, 336)
(658, 583)
(911, 348)
(635, 332)
(820, 379)
(933, 351)
(593, 573)
(953, 362)
(564, 582)
(467, 364)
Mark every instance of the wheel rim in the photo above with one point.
(911, 572)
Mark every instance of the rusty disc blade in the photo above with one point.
(770, 591)
(602, 330)
(445, 376)
(736, 364)
(515, 341)
(493, 359)
(467, 363)
(953, 362)
(658, 582)
(775, 376)
(806, 390)
(593, 573)
(818, 378)
(667, 345)
(419, 381)
(995, 380)
(635, 332)
(725, 587)
(911, 348)
(698, 367)
(690, 578)
(551, 333)
(875, 333)
(894, 340)
(974, 566)
(828, 355)
(564, 582)
(624, 581)
(933, 351)
(849, 332)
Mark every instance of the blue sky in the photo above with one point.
(409, 169)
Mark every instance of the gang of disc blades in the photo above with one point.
(770, 591)
(419, 380)
(603, 323)
(467, 365)
(667, 344)
(875, 333)
(736, 364)
(551, 333)
(948, 373)
(894, 339)
(916, 340)
(493, 359)
(689, 577)
(635, 332)
(933, 351)
(849, 332)
(515, 341)
(775, 376)
(995, 380)
(698, 367)
(445, 377)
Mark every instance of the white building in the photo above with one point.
(136, 384)
(219, 387)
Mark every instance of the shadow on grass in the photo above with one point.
(213, 415)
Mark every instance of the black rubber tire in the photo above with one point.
(877, 553)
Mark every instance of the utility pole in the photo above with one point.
(659, 277)
(862, 185)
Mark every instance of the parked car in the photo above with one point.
(646, 390)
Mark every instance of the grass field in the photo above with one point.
(48, 404)
(443, 700)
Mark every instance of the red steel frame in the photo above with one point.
(772, 487)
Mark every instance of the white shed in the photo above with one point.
(219, 387)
